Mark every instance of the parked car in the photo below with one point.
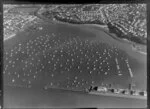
(91, 88)
(111, 90)
(116, 91)
(125, 92)
(134, 92)
(97, 88)
(143, 93)
(102, 89)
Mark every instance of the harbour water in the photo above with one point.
(72, 57)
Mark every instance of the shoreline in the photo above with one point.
(29, 98)
(103, 28)
(101, 93)
(118, 95)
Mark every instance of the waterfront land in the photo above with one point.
(90, 14)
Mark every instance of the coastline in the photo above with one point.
(48, 96)
(118, 95)
(142, 48)
(104, 28)
(21, 97)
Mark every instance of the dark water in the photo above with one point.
(84, 61)
(71, 57)
(37, 98)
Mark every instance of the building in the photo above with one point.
(126, 92)
(130, 86)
